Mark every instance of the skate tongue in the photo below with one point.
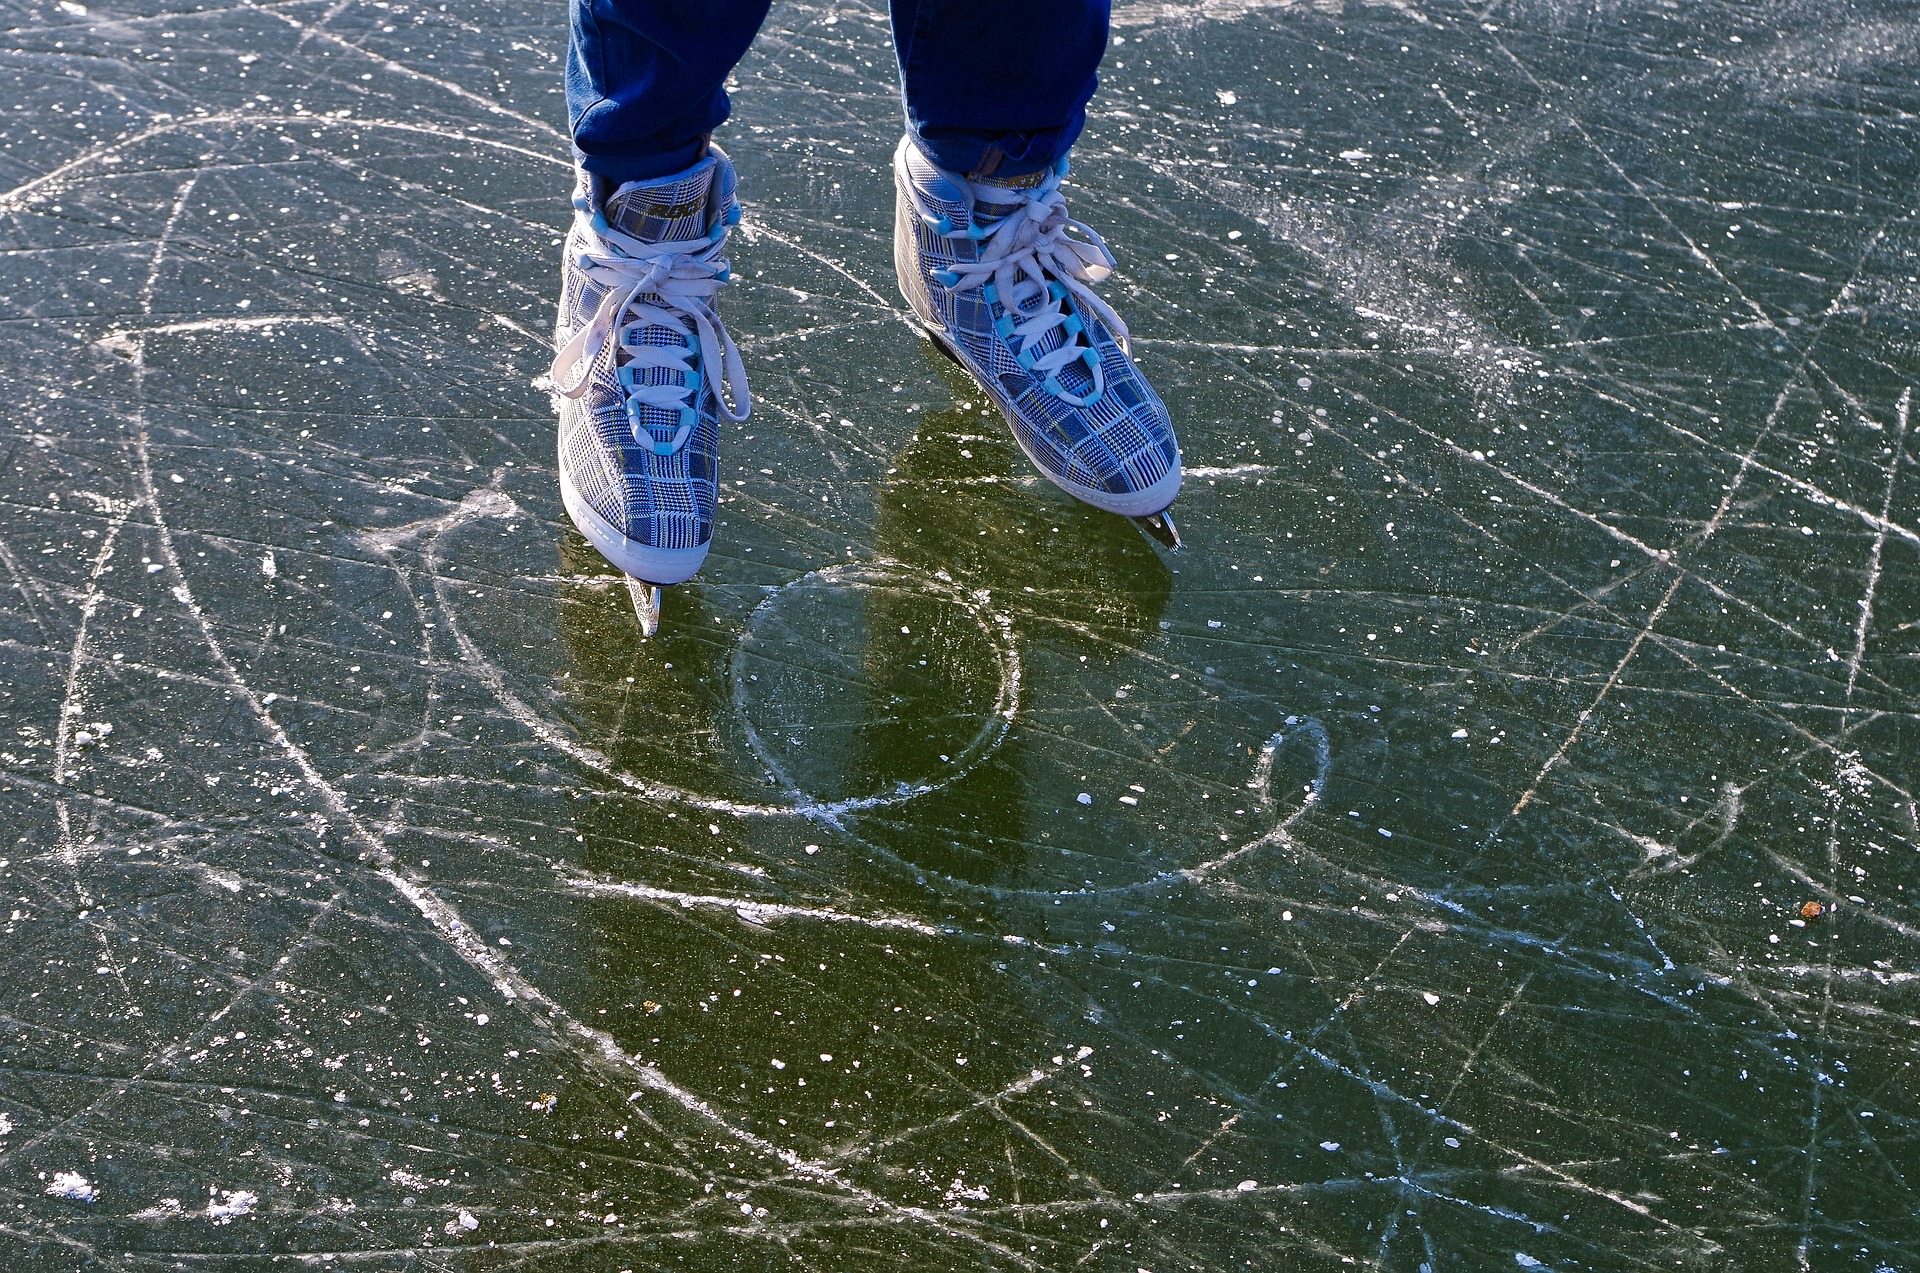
(668, 211)
(995, 199)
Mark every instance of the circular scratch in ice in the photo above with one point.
(871, 579)
(489, 502)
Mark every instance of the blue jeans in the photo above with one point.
(992, 87)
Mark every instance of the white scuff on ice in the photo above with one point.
(165, 1209)
(233, 1202)
(72, 1186)
(959, 1189)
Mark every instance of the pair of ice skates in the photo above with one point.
(998, 275)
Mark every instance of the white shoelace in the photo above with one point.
(1025, 250)
(683, 277)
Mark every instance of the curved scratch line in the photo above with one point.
(993, 730)
(1262, 784)
(17, 196)
(446, 921)
(494, 503)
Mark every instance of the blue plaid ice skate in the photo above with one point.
(1000, 275)
(642, 362)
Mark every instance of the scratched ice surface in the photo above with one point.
(1408, 875)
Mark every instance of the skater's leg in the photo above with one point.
(644, 372)
(998, 87)
(646, 81)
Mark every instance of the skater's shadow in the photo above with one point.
(890, 679)
(962, 502)
(654, 706)
(961, 497)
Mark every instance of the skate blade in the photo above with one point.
(646, 604)
(1159, 527)
(940, 343)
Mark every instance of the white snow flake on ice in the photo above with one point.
(465, 1222)
(1430, 997)
(1526, 1261)
(1247, 1186)
(1084, 798)
(73, 1186)
(6, 1125)
(269, 567)
(1329, 1145)
(1227, 96)
(1459, 733)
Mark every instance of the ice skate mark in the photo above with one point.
(543, 1012)
(309, 30)
(122, 340)
(147, 498)
(1653, 943)
(1665, 859)
(1653, 556)
(762, 913)
(19, 197)
(1213, 472)
(71, 705)
(483, 502)
(1876, 557)
(520, 330)
(494, 504)
(603, 1047)
(995, 723)
(754, 227)
(29, 585)
(592, 1044)
(1748, 463)
(1261, 784)
(990, 1102)
(1144, 13)
(65, 732)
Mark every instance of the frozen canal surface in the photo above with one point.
(1414, 873)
